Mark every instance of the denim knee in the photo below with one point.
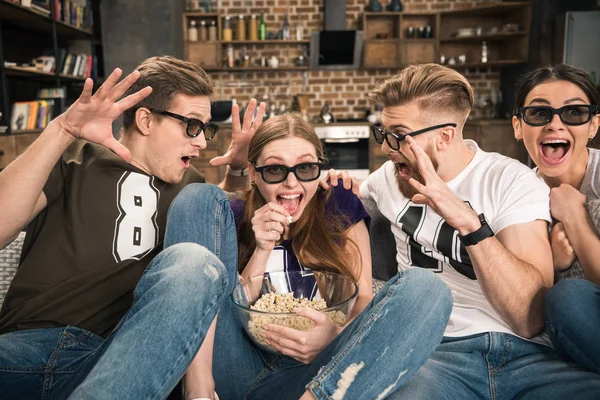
(188, 269)
(436, 289)
(196, 196)
(564, 298)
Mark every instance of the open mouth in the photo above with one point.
(186, 160)
(291, 202)
(403, 170)
(555, 151)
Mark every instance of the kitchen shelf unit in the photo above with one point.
(210, 54)
(387, 44)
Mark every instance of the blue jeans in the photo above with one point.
(148, 352)
(386, 343)
(498, 366)
(573, 321)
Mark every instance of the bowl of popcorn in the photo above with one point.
(272, 298)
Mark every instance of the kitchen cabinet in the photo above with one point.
(504, 28)
(394, 39)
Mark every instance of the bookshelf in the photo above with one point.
(64, 38)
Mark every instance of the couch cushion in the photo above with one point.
(383, 245)
(9, 261)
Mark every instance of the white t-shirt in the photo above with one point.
(505, 190)
(591, 181)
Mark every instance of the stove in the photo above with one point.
(346, 147)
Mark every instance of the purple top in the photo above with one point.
(282, 257)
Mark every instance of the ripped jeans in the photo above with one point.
(375, 355)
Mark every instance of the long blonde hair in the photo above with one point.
(318, 238)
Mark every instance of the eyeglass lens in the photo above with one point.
(570, 115)
(305, 172)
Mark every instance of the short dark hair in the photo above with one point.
(167, 76)
(560, 72)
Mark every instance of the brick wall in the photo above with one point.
(344, 91)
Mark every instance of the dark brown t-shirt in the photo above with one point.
(85, 252)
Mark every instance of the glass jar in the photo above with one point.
(241, 28)
(227, 31)
(193, 32)
(212, 30)
(203, 32)
(253, 28)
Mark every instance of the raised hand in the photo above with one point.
(303, 346)
(269, 224)
(562, 251)
(349, 182)
(237, 153)
(437, 195)
(91, 117)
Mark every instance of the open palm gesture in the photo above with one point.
(241, 133)
(91, 117)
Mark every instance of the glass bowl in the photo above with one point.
(278, 289)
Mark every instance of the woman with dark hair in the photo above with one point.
(286, 222)
(556, 115)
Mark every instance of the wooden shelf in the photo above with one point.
(34, 73)
(200, 14)
(393, 40)
(72, 77)
(491, 64)
(28, 72)
(264, 41)
(487, 37)
(383, 13)
(70, 30)
(30, 19)
(494, 9)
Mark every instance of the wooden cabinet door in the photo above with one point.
(205, 54)
(381, 55)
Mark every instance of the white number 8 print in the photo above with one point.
(136, 231)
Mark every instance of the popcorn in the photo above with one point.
(286, 303)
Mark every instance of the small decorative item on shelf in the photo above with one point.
(410, 32)
(299, 33)
(227, 31)
(262, 27)
(374, 6)
(285, 28)
(207, 6)
(212, 30)
(253, 28)
(241, 28)
(462, 59)
(229, 59)
(273, 62)
(193, 32)
(428, 32)
(395, 5)
(203, 32)
(484, 52)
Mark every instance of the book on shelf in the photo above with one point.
(79, 65)
(29, 115)
(52, 93)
